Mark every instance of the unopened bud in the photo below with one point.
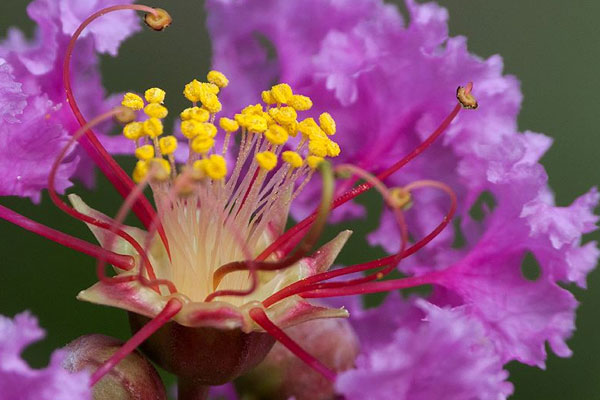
(158, 21)
(282, 375)
(132, 378)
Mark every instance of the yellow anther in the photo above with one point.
(167, 145)
(267, 97)
(196, 113)
(466, 99)
(318, 147)
(133, 130)
(159, 168)
(282, 93)
(160, 21)
(254, 123)
(202, 144)
(292, 129)
(276, 135)
(208, 130)
(191, 128)
(153, 127)
(140, 171)
(267, 160)
(327, 123)
(228, 124)
(314, 161)
(210, 87)
(155, 95)
(193, 91)
(155, 110)
(283, 115)
(198, 168)
(211, 102)
(333, 149)
(301, 103)
(145, 152)
(216, 167)
(133, 101)
(400, 198)
(218, 78)
(309, 127)
(292, 158)
(256, 109)
(125, 115)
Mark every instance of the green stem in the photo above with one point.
(190, 389)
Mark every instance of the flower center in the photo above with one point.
(225, 202)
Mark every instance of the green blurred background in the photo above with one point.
(551, 46)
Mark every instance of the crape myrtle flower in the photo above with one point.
(36, 121)
(382, 78)
(19, 381)
(214, 277)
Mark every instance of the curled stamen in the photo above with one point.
(292, 233)
(109, 167)
(158, 20)
(312, 283)
(78, 215)
(261, 318)
(117, 224)
(301, 250)
(171, 309)
(120, 261)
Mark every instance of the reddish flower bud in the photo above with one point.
(133, 378)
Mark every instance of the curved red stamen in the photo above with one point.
(109, 167)
(375, 287)
(120, 261)
(259, 316)
(352, 193)
(311, 283)
(116, 226)
(172, 307)
(78, 215)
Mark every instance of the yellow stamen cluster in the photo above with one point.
(266, 128)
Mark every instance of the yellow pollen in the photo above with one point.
(256, 109)
(301, 103)
(327, 123)
(228, 124)
(333, 149)
(211, 102)
(267, 160)
(155, 95)
(193, 91)
(309, 127)
(133, 101)
(267, 97)
(208, 130)
(215, 167)
(217, 78)
(167, 145)
(202, 144)
(314, 161)
(282, 93)
(254, 123)
(160, 168)
(292, 129)
(276, 135)
(292, 158)
(153, 127)
(467, 100)
(145, 152)
(133, 130)
(191, 128)
(317, 147)
(196, 113)
(155, 110)
(283, 115)
(140, 171)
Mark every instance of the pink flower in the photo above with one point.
(18, 381)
